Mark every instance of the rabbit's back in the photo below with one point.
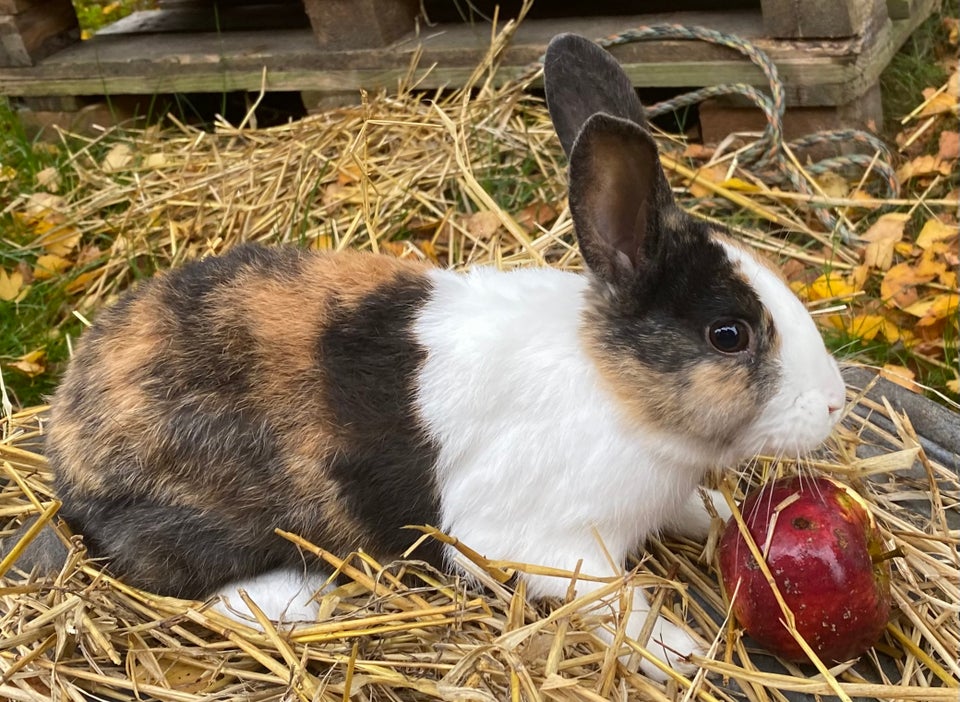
(267, 388)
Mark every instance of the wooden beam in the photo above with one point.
(820, 19)
(820, 73)
(360, 24)
(33, 29)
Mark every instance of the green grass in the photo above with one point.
(94, 14)
(36, 321)
(916, 67)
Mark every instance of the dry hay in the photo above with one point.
(411, 177)
(382, 636)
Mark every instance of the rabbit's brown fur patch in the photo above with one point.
(668, 376)
(675, 403)
(215, 404)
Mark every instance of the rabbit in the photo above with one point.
(537, 415)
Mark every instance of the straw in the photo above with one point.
(473, 176)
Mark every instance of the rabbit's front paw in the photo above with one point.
(673, 646)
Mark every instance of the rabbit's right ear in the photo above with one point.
(580, 80)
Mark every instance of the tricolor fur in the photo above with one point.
(536, 415)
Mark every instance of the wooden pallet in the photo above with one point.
(829, 52)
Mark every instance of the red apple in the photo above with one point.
(828, 559)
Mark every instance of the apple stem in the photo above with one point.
(887, 555)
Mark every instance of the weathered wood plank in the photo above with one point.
(817, 73)
(899, 9)
(718, 119)
(358, 24)
(13, 7)
(820, 19)
(235, 61)
(36, 30)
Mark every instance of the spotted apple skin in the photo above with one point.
(825, 555)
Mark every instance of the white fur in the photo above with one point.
(521, 418)
(284, 595)
(537, 461)
(799, 416)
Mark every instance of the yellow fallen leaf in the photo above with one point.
(954, 386)
(891, 333)
(833, 185)
(923, 166)
(869, 201)
(940, 104)
(881, 239)
(948, 278)
(32, 364)
(928, 269)
(952, 24)
(904, 248)
(933, 231)
(81, 282)
(60, 241)
(714, 174)
(933, 309)
(11, 286)
(866, 326)
(430, 251)
(949, 145)
(394, 248)
(859, 275)
(836, 321)
(920, 307)
(898, 287)
(830, 285)
(50, 265)
(900, 375)
(930, 264)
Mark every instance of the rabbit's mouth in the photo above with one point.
(794, 428)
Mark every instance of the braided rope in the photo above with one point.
(774, 106)
(767, 157)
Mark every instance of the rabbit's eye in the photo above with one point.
(729, 335)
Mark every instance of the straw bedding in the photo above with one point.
(438, 180)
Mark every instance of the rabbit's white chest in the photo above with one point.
(537, 461)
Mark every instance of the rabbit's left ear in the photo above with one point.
(580, 80)
(622, 207)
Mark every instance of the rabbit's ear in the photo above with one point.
(622, 207)
(580, 80)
